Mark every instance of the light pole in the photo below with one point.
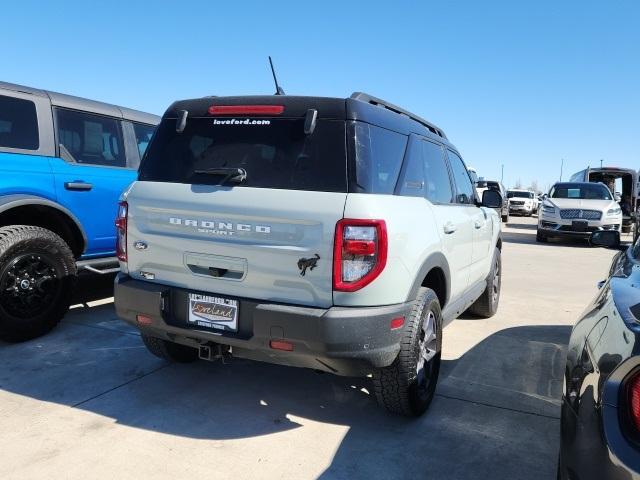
(601, 160)
(561, 167)
(502, 174)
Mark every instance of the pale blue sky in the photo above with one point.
(518, 83)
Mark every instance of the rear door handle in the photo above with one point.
(478, 224)
(449, 228)
(78, 185)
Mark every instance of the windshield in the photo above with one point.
(512, 194)
(582, 191)
(274, 153)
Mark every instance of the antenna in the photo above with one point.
(279, 90)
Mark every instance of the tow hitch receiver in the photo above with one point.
(214, 351)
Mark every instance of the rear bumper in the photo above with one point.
(345, 341)
(593, 447)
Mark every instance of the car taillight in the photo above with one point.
(121, 231)
(359, 253)
(633, 392)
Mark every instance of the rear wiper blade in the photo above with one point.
(235, 175)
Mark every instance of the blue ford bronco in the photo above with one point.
(63, 163)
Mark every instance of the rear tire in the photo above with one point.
(486, 305)
(170, 351)
(505, 218)
(37, 275)
(540, 237)
(407, 386)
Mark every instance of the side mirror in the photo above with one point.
(605, 238)
(491, 199)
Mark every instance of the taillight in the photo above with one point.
(246, 109)
(121, 231)
(359, 253)
(633, 392)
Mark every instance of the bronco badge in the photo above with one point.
(309, 263)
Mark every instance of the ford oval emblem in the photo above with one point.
(140, 245)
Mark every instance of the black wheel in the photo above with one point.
(37, 274)
(171, 351)
(487, 304)
(540, 237)
(505, 218)
(407, 386)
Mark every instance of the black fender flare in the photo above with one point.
(436, 259)
(7, 202)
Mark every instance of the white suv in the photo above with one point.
(522, 202)
(327, 233)
(576, 209)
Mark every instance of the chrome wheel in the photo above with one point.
(495, 284)
(427, 349)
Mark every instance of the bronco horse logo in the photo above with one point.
(309, 263)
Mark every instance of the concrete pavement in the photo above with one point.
(88, 401)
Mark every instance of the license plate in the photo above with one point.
(580, 225)
(210, 311)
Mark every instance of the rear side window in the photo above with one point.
(438, 182)
(91, 139)
(275, 153)
(378, 155)
(143, 135)
(465, 193)
(412, 184)
(18, 124)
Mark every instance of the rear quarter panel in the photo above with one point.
(413, 236)
(602, 342)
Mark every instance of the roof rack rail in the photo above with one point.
(365, 97)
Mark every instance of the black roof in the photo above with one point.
(359, 106)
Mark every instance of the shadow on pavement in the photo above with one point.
(494, 415)
(523, 226)
(91, 287)
(530, 239)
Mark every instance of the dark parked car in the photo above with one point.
(600, 420)
(482, 185)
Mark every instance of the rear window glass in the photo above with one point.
(275, 153)
(378, 158)
(18, 124)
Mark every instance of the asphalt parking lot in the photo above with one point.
(88, 401)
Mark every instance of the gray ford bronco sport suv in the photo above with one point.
(329, 233)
